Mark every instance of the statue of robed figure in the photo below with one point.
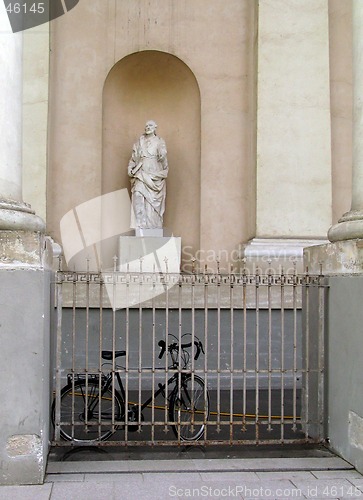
(148, 169)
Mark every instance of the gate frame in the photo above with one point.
(312, 418)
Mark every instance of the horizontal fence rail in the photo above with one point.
(165, 359)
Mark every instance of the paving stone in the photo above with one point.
(170, 485)
(358, 483)
(235, 477)
(266, 489)
(82, 491)
(124, 478)
(55, 478)
(276, 475)
(327, 488)
(36, 492)
(170, 477)
(331, 474)
(88, 467)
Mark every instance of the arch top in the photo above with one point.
(152, 54)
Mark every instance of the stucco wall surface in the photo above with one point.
(293, 120)
(215, 41)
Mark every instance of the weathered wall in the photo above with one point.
(24, 370)
(345, 370)
(215, 43)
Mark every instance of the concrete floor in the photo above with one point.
(317, 474)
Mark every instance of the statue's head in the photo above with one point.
(150, 127)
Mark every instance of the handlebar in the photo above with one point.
(175, 347)
(162, 345)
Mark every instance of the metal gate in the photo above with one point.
(201, 358)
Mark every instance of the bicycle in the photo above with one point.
(92, 409)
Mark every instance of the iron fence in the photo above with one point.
(206, 358)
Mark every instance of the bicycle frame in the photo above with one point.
(108, 384)
(105, 400)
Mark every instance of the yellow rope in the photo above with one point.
(223, 414)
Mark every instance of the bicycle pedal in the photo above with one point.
(133, 416)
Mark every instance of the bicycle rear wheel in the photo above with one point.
(86, 415)
(189, 408)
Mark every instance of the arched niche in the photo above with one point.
(159, 86)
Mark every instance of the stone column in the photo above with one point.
(14, 213)
(350, 226)
(24, 292)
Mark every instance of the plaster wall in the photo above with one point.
(345, 372)
(215, 43)
(293, 120)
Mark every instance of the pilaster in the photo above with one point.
(293, 120)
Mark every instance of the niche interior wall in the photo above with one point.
(158, 86)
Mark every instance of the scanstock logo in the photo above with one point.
(90, 235)
(26, 14)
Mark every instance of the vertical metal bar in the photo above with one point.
(244, 395)
(166, 352)
(74, 301)
(180, 290)
(294, 373)
(127, 279)
(257, 356)
(153, 358)
(114, 298)
(269, 362)
(87, 341)
(306, 358)
(231, 406)
(282, 380)
(206, 348)
(193, 346)
(141, 287)
(321, 356)
(100, 356)
(218, 352)
(179, 352)
(59, 285)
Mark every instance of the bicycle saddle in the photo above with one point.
(108, 354)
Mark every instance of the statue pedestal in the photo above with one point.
(149, 254)
(159, 233)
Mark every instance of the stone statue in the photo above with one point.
(148, 169)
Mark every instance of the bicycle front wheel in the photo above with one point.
(189, 408)
(87, 415)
